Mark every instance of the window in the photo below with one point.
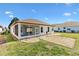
(68, 29)
(37, 30)
(31, 31)
(16, 30)
(26, 30)
(41, 29)
(48, 29)
(64, 27)
(52, 29)
(58, 28)
(59, 31)
(64, 30)
(72, 31)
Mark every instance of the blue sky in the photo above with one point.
(52, 13)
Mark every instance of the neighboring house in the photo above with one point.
(1, 29)
(29, 28)
(67, 27)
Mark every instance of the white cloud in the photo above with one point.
(33, 10)
(8, 12)
(67, 14)
(46, 18)
(74, 12)
(11, 16)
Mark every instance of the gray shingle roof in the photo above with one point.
(33, 21)
(67, 24)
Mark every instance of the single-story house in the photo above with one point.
(67, 27)
(29, 28)
(1, 29)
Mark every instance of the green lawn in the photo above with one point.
(40, 48)
(71, 35)
(18, 48)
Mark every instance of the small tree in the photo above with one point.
(13, 20)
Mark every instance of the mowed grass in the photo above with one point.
(71, 35)
(41, 48)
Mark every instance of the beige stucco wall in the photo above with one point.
(45, 28)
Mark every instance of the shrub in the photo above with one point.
(9, 37)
